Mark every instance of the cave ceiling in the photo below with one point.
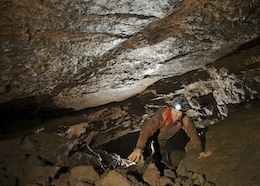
(82, 54)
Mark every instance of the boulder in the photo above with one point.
(151, 174)
(114, 178)
(82, 173)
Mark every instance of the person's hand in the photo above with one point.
(136, 155)
(205, 154)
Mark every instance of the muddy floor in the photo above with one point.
(236, 149)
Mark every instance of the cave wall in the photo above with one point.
(214, 92)
(80, 54)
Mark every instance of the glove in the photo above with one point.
(136, 155)
(205, 154)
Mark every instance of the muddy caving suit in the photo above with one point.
(166, 126)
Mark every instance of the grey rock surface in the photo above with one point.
(88, 53)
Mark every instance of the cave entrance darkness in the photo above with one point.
(26, 113)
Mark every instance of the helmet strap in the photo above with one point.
(181, 118)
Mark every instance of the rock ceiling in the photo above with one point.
(76, 54)
(81, 54)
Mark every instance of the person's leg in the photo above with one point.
(160, 157)
(148, 151)
(164, 157)
(175, 146)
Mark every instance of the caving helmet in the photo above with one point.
(180, 103)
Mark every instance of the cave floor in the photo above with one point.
(235, 145)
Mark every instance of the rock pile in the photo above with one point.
(49, 159)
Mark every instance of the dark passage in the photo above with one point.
(122, 146)
(125, 145)
(21, 114)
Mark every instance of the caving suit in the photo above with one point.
(167, 126)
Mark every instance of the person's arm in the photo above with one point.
(191, 131)
(147, 130)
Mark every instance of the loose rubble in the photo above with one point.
(46, 158)
(49, 159)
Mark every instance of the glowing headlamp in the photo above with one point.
(177, 107)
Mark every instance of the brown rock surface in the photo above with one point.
(114, 178)
(235, 145)
(234, 142)
(83, 174)
(151, 174)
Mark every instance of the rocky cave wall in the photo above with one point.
(77, 55)
(135, 55)
(81, 54)
(213, 92)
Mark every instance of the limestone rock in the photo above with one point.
(7, 179)
(83, 174)
(182, 170)
(169, 173)
(29, 145)
(114, 178)
(63, 180)
(88, 53)
(164, 181)
(198, 179)
(151, 174)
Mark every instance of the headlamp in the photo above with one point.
(177, 107)
(180, 103)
